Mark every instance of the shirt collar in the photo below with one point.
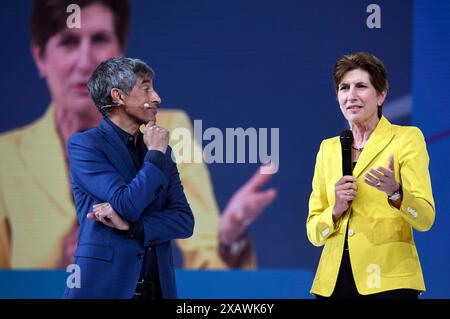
(123, 135)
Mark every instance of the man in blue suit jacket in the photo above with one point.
(124, 248)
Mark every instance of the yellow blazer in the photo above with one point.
(36, 209)
(380, 237)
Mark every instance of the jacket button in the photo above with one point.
(350, 232)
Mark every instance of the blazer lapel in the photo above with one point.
(43, 155)
(380, 138)
(123, 160)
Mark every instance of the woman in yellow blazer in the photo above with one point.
(365, 221)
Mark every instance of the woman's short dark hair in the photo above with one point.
(49, 17)
(367, 62)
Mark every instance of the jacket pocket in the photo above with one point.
(390, 230)
(95, 251)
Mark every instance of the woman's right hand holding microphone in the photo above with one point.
(345, 192)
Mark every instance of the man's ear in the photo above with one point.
(117, 96)
(39, 59)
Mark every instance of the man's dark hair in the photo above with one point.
(120, 73)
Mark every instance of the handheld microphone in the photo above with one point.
(346, 138)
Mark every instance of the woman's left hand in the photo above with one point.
(383, 178)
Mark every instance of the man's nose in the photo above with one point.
(155, 98)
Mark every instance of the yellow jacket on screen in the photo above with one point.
(380, 237)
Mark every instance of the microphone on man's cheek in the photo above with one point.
(147, 106)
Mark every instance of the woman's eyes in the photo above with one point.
(72, 40)
(69, 40)
(100, 38)
(346, 87)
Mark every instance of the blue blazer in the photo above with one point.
(102, 170)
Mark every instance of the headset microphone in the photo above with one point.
(147, 106)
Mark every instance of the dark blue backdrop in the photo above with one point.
(265, 64)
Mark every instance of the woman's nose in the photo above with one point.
(351, 93)
(86, 57)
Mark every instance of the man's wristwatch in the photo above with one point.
(396, 195)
